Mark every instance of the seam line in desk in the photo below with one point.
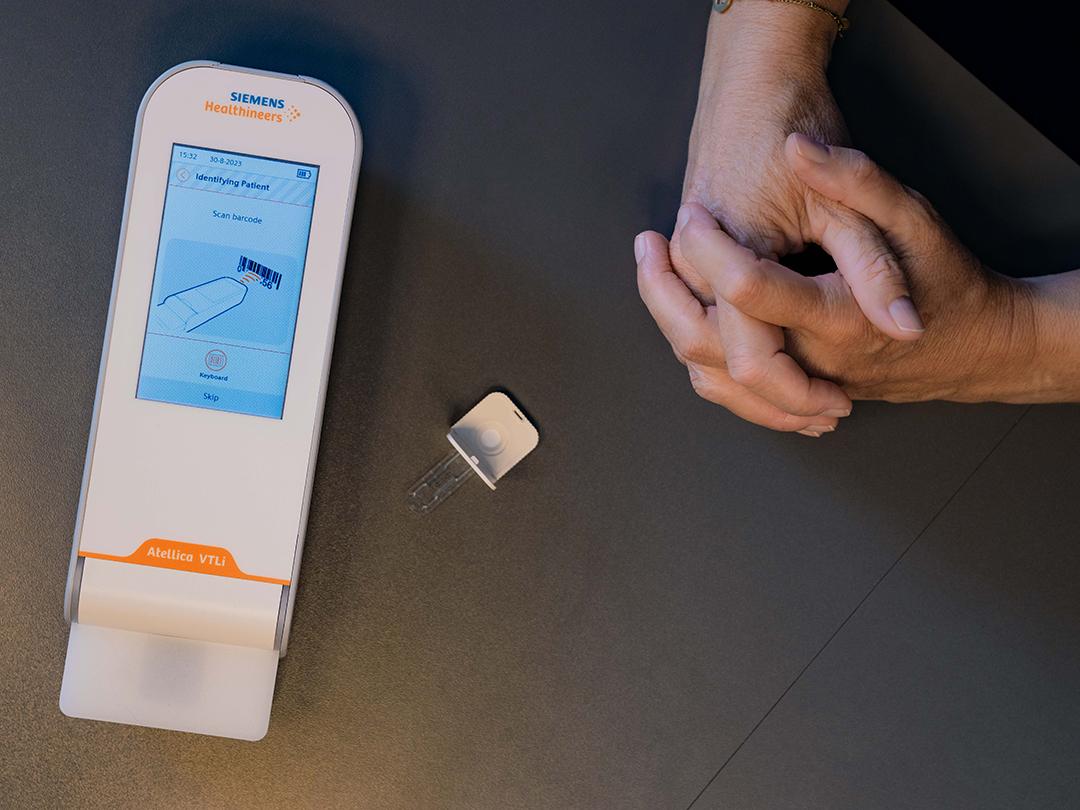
(861, 602)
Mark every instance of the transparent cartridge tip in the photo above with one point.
(439, 483)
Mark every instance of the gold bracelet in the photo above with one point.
(842, 23)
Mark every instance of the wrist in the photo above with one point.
(1055, 304)
(764, 39)
(759, 56)
(763, 77)
(1029, 343)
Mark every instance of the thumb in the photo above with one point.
(849, 177)
(872, 204)
(867, 262)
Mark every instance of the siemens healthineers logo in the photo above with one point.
(260, 108)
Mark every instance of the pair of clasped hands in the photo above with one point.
(909, 314)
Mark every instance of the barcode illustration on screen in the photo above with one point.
(256, 271)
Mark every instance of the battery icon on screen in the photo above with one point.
(303, 174)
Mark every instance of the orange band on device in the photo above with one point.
(179, 556)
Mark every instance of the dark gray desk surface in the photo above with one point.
(662, 603)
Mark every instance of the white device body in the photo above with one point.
(163, 481)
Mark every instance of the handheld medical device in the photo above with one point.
(209, 402)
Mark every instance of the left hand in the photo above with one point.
(763, 77)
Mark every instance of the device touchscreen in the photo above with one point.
(226, 288)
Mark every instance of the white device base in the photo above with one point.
(122, 676)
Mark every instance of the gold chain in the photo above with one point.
(842, 23)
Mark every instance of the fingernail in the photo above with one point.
(639, 247)
(807, 147)
(837, 412)
(808, 432)
(682, 218)
(905, 316)
(819, 429)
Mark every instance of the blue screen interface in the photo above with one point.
(230, 262)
